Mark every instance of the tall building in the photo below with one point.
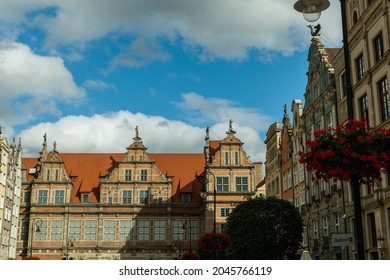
(132, 205)
(10, 186)
(368, 25)
(273, 161)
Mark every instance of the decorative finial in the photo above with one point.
(207, 133)
(44, 140)
(136, 132)
(285, 108)
(55, 146)
(315, 31)
(230, 124)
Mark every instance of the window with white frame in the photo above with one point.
(42, 196)
(59, 197)
(127, 196)
(41, 234)
(285, 181)
(295, 176)
(56, 230)
(144, 175)
(159, 230)
(329, 120)
(143, 227)
(177, 230)
(289, 178)
(109, 229)
(241, 184)
(90, 229)
(225, 212)
(75, 229)
(128, 175)
(125, 230)
(336, 221)
(222, 184)
(143, 197)
(325, 226)
(301, 172)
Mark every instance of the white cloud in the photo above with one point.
(32, 84)
(199, 109)
(98, 85)
(212, 29)
(113, 132)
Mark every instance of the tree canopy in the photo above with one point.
(265, 229)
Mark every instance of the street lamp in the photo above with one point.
(315, 7)
(381, 247)
(36, 223)
(203, 194)
(311, 9)
(178, 252)
(70, 241)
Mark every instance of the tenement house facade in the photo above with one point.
(132, 205)
(368, 24)
(319, 202)
(273, 161)
(10, 187)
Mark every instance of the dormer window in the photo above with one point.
(84, 197)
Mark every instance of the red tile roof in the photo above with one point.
(89, 168)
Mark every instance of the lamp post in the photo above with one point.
(203, 194)
(70, 241)
(36, 223)
(381, 247)
(312, 9)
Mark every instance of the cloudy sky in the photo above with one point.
(87, 72)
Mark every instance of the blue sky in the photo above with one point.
(87, 72)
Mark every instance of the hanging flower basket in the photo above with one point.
(353, 150)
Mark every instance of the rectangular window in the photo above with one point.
(372, 229)
(186, 198)
(143, 229)
(177, 231)
(222, 184)
(26, 197)
(56, 230)
(159, 230)
(144, 175)
(127, 175)
(42, 196)
(75, 229)
(329, 120)
(316, 90)
(241, 184)
(127, 196)
(359, 67)
(226, 158)
(315, 229)
(383, 90)
(343, 83)
(41, 234)
(378, 46)
(24, 231)
(125, 230)
(285, 181)
(84, 197)
(48, 175)
(225, 212)
(336, 220)
(143, 197)
(57, 175)
(295, 174)
(363, 104)
(59, 197)
(325, 226)
(90, 229)
(236, 158)
(301, 172)
(109, 230)
(193, 230)
(289, 178)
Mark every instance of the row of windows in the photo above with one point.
(115, 230)
(384, 100)
(222, 184)
(235, 160)
(325, 225)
